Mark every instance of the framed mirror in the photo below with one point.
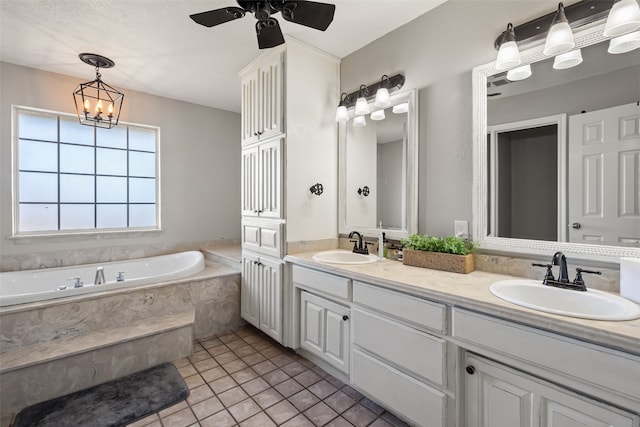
(378, 166)
(557, 155)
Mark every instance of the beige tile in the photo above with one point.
(288, 387)
(187, 371)
(244, 375)
(380, 423)
(268, 398)
(232, 396)
(318, 370)
(275, 377)
(372, 406)
(175, 408)
(234, 366)
(258, 420)
(262, 344)
(243, 410)
(222, 384)
(183, 418)
(213, 374)
(359, 416)
(304, 400)
(264, 367)
(206, 364)
(217, 350)
(207, 407)
(220, 419)
(339, 422)
(226, 357)
(250, 339)
(212, 342)
(320, 414)
(153, 418)
(255, 386)
(181, 362)
(299, 421)
(194, 381)
(281, 359)
(307, 378)
(245, 351)
(340, 401)
(393, 420)
(199, 394)
(270, 352)
(322, 389)
(196, 348)
(234, 345)
(228, 337)
(352, 392)
(294, 368)
(334, 381)
(282, 411)
(252, 359)
(197, 357)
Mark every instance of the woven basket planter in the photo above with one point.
(439, 261)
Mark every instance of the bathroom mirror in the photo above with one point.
(545, 177)
(378, 165)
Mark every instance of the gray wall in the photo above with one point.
(200, 161)
(437, 52)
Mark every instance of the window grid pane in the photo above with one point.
(81, 179)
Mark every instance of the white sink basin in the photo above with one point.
(592, 304)
(344, 257)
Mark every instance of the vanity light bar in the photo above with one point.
(578, 14)
(395, 83)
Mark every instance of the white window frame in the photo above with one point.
(15, 172)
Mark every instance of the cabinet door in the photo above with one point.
(270, 97)
(249, 184)
(270, 178)
(249, 109)
(250, 290)
(271, 298)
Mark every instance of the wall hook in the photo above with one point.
(317, 189)
(364, 191)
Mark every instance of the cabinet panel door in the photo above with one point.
(249, 290)
(249, 109)
(311, 324)
(271, 298)
(270, 188)
(270, 102)
(337, 336)
(249, 184)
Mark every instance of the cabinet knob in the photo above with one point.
(345, 317)
(470, 369)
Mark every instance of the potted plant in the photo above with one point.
(439, 253)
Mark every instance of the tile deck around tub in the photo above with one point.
(245, 379)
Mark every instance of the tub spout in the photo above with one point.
(99, 280)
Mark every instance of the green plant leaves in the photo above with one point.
(449, 245)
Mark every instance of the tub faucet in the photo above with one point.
(99, 279)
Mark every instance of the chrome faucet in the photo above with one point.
(99, 279)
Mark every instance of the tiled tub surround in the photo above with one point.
(52, 348)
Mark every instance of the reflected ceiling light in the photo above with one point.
(624, 44)
(362, 106)
(359, 121)
(97, 103)
(342, 115)
(508, 53)
(567, 60)
(382, 95)
(560, 37)
(401, 108)
(519, 73)
(623, 18)
(377, 115)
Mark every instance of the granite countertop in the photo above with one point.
(471, 291)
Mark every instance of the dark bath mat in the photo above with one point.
(115, 403)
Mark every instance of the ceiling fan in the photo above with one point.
(308, 13)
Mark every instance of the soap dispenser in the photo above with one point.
(380, 243)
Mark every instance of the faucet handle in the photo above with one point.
(548, 274)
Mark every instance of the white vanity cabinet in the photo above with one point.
(261, 179)
(262, 102)
(261, 294)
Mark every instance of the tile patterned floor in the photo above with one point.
(245, 379)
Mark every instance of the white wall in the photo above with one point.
(436, 52)
(200, 161)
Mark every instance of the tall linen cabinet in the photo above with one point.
(289, 143)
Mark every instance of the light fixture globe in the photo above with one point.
(97, 103)
(508, 53)
(560, 36)
(623, 17)
(401, 108)
(377, 115)
(362, 106)
(342, 115)
(382, 94)
(567, 60)
(359, 121)
(624, 44)
(519, 73)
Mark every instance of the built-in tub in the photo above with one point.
(18, 287)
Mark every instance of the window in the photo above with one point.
(71, 178)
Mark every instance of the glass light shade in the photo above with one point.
(401, 108)
(508, 56)
(519, 73)
(567, 60)
(359, 121)
(559, 39)
(362, 106)
(341, 114)
(382, 98)
(377, 115)
(624, 44)
(623, 17)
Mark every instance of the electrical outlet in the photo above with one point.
(461, 229)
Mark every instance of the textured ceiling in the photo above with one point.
(159, 50)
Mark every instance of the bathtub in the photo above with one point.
(19, 287)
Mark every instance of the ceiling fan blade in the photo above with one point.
(269, 33)
(217, 16)
(308, 13)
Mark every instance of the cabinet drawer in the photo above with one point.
(421, 312)
(262, 236)
(409, 349)
(398, 392)
(561, 355)
(328, 284)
